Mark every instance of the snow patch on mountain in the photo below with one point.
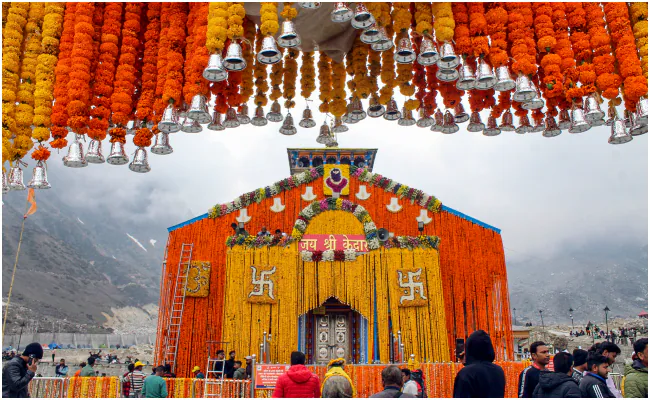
(136, 242)
(153, 242)
(82, 223)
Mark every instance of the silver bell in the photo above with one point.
(215, 71)
(637, 128)
(215, 124)
(131, 127)
(404, 53)
(16, 178)
(161, 144)
(447, 75)
(535, 104)
(190, 126)
(506, 122)
(491, 129)
(524, 125)
(460, 115)
(289, 37)
(475, 123)
(620, 134)
(383, 42)
(406, 118)
(449, 125)
(341, 13)
(258, 119)
(242, 115)
(362, 18)
(428, 52)
(275, 115)
(75, 157)
(269, 53)
(539, 125)
(94, 154)
(578, 122)
(140, 162)
(485, 78)
(466, 80)
(392, 112)
(347, 117)
(438, 121)
(358, 114)
(504, 80)
(5, 183)
(169, 121)
(551, 127)
(564, 121)
(231, 120)
(234, 60)
(592, 109)
(324, 135)
(339, 126)
(370, 35)
(524, 91)
(375, 109)
(311, 6)
(117, 156)
(642, 111)
(424, 121)
(199, 110)
(307, 120)
(287, 126)
(448, 58)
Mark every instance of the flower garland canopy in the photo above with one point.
(152, 69)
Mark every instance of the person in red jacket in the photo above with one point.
(298, 381)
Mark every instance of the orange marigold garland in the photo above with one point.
(419, 81)
(520, 36)
(550, 62)
(478, 29)
(161, 64)
(497, 22)
(607, 79)
(249, 56)
(462, 39)
(324, 82)
(105, 72)
(401, 22)
(41, 153)
(98, 23)
(581, 47)
(124, 85)
(635, 84)
(196, 53)
(174, 61)
(59, 116)
(563, 49)
(80, 63)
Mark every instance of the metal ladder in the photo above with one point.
(214, 371)
(178, 305)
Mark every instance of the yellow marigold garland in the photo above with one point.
(307, 75)
(276, 78)
(236, 14)
(338, 105)
(269, 18)
(217, 26)
(290, 76)
(260, 74)
(387, 59)
(362, 85)
(46, 61)
(639, 20)
(423, 18)
(324, 81)
(443, 21)
(401, 17)
(247, 74)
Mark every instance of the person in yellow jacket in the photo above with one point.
(337, 384)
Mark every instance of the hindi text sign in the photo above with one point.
(266, 375)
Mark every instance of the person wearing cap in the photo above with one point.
(197, 373)
(19, 371)
(88, 369)
(249, 367)
(136, 380)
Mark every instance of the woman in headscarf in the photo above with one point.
(337, 384)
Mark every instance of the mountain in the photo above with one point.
(583, 278)
(76, 262)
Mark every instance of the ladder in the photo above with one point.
(178, 305)
(214, 371)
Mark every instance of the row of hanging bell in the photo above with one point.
(310, 6)
(15, 179)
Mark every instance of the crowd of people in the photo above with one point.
(622, 336)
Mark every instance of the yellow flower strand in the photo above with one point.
(25, 96)
(443, 24)
(247, 73)
(217, 26)
(290, 76)
(338, 104)
(362, 84)
(307, 75)
(46, 62)
(387, 72)
(401, 17)
(639, 19)
(289, 12)
(260, 74)
(269, 18)
(325, 82)
(236, 14)
(277, 71)
(423, 18)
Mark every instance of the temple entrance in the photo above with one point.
(331, 331)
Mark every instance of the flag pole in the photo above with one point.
(13, 275)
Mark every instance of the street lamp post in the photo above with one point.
(571, 315)
(606, 309)
(515, 311)
(543, 329)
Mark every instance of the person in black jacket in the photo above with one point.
(229, 370)
(594, 383)
(579, 364)
(558, 384)
(479, 377)
(529, 377)
(19, 371)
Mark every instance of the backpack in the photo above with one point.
(418, 377)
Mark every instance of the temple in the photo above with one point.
(335, 261)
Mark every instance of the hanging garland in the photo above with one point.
(196, 53)
(249, 56)
(478, 29)
(217, 32)
(324, 82)
(260, 73)
(497, 22)
(269, 18)
(80, 73)
(307, 75)
(463, 42)
(639, 20)
(585, 69)
(443, 22)
(607, 81)
(290, 76)
(338, 105)
(175, 48)
(550, 62)
(419, 80)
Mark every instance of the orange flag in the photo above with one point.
(32, 200)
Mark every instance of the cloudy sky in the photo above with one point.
(543, 193)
